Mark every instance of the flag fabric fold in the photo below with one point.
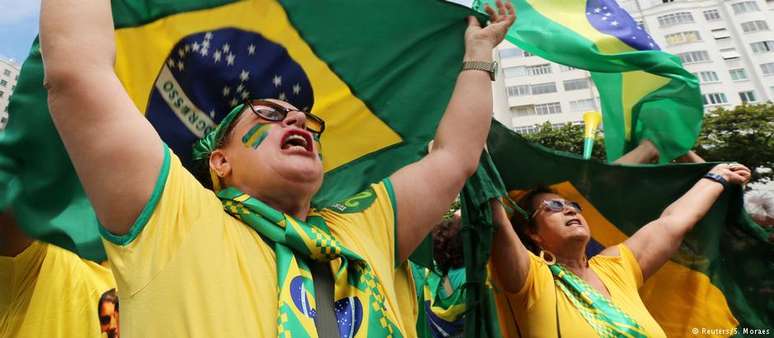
(722, 275)
(645, 92)
(377, 72)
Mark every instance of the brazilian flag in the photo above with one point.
(645, 92)
(379, 72)
(722, 276)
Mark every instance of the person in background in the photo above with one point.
(546, 287)
(108, 313)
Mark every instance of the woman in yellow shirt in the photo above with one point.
(547, 288)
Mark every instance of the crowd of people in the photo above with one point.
(237, 250)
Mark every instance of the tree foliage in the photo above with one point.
(568, 137)
(744, 134)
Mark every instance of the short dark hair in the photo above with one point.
(108, 296)
(526, 225)
(447, 245)
(200, 169)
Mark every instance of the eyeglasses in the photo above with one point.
(104, 320)
(557, 206)
(275, 112)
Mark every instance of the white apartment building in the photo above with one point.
(727, 44)
(9, 74)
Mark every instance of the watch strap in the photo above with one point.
(488, 67)
(717, 178)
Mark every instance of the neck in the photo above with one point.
(293, 206)
(572, 254)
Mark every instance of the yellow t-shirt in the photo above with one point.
(533, 309)
(189, 269)
(47, 291)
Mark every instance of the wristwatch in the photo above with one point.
(489, 67)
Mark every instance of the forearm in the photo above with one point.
(73, 30)
(510, 260)
(690, 208)
(465, 124)
(12, 240)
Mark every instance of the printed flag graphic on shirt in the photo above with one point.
(721, 278)
(379, 73)
(645, 92)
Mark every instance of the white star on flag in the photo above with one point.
(277, 80)
(251, 49)
(245, 95)
(604, 18)
(597, 10)
(195, 46)
(281, 96)
(171, 62)
(614, 23)
(226, 47)
(208, 35)
(212, 114)
(608, 14)
(230, 59)
(204, 52)
(226, 91)
(240, 88)
(180, 65)
(296, 88)
(181, 52)
(233, 102)
(187, 48)
(206, 44)
(244, 75)
(216, 55)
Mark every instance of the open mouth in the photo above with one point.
(297, 139)
(573, 221)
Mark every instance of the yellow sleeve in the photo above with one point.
(371, 215)
(630, 266)
(177, 202)
(538, 277)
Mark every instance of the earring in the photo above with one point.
(552, 257)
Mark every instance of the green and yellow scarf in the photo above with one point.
(606, 318)
(358, 293)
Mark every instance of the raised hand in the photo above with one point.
(480, 41)
(734, 173)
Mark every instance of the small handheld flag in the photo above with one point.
(591, 121)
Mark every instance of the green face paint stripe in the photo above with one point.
(256, 135)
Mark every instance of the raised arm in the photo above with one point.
(116, 152)
(657, 241)
(425, 189)
(510, 258)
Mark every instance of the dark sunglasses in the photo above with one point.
(275, 112)
(557, 206)
(104, 320)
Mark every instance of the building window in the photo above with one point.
(744, 7)
(720, 33)
(523, 110)
(693, 57)
(712, 15)
(748, 96)
(543, 88)
(729, 54)
(539, 69)
(548, 108)
(522, 90)
(707, 76)
(714, 98)
(755, 26)
(678, 18)
(6, 72)
(682, 37)
(738, 74)
(514, 72)
(762, 47)
(666, 1)
(563, 68)
(576, 84)
(582, 105)
(526, 130)
(768, 68)
(3, 83)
